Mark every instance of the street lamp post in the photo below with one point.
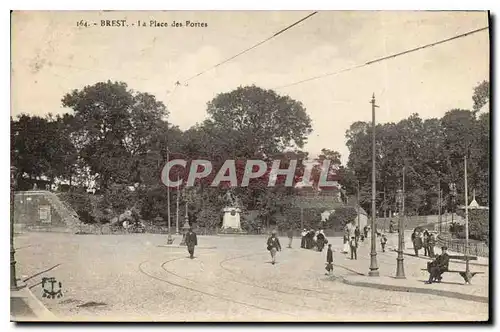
(13, 279)
(170, 240)
(467, 271)
(359, 205)
(177, 207)
(186, 220)
(453, 194)
(440, 219)
(373, 254)
(400, 271)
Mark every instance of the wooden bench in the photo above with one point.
(471, 258)
(467, 276)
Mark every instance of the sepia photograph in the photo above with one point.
(250, 166)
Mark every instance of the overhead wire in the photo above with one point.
(368, 63)
(184, 83)
(251, 47)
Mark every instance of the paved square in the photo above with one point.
(136, 277)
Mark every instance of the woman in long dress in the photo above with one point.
(320, 240)
(346, 248)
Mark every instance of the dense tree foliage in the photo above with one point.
(432, 153)
(118, 139)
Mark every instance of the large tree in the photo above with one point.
(253, 121)
(115, 127)
(41, 146)
(432, 153)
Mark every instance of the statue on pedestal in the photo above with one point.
(231, 218)
(231, 200)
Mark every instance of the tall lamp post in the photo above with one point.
(359, 205)
(186, 219)
(13, 278)
(170, 240)
(400, 198)
(467, 271)
(177, 206)
(453, 194)
(373, 254)
(440, 218)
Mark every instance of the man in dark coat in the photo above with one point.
(309, 239)
(391, 226)
(191, 241)
(438, 266)
(273, 245)
(354, 247)
(432, 244)
(329, 259)
(312, 243)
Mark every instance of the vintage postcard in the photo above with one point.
(250, 166)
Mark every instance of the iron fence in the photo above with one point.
(458, 245)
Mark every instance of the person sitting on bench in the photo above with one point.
(438, 266)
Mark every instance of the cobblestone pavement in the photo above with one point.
(135, 277)
(413, 266)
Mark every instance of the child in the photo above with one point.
(329, 260)
(383, 241)
(354, 248)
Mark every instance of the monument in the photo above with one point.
(231, 218)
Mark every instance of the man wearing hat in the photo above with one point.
(273, 245)
(303, 240)
(438, 266)
(191, 241)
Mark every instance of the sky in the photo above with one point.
(51, 56)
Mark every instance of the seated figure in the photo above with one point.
(438, 266)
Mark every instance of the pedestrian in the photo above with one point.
(351, 229)
(313, 239)
(426, 243)
(383, 242)
(432, 244)
(391, 226)
(438, 266)
(290, 237)
(357, 233)
(191, 241)
(310, 239)
(345, 250)
(321, 240)
(365, 231)
(354, 247)
(329, 260)
(417, 241)
(303, 240)
(273, 245)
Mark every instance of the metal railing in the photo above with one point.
(458, 245)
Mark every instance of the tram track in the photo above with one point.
(141, 270)
(320, 295)
(320, 292)
(247, 284)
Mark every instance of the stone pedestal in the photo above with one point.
(231, 220)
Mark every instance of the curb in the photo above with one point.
(456, 295)
(41, 312)
(451, 260)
